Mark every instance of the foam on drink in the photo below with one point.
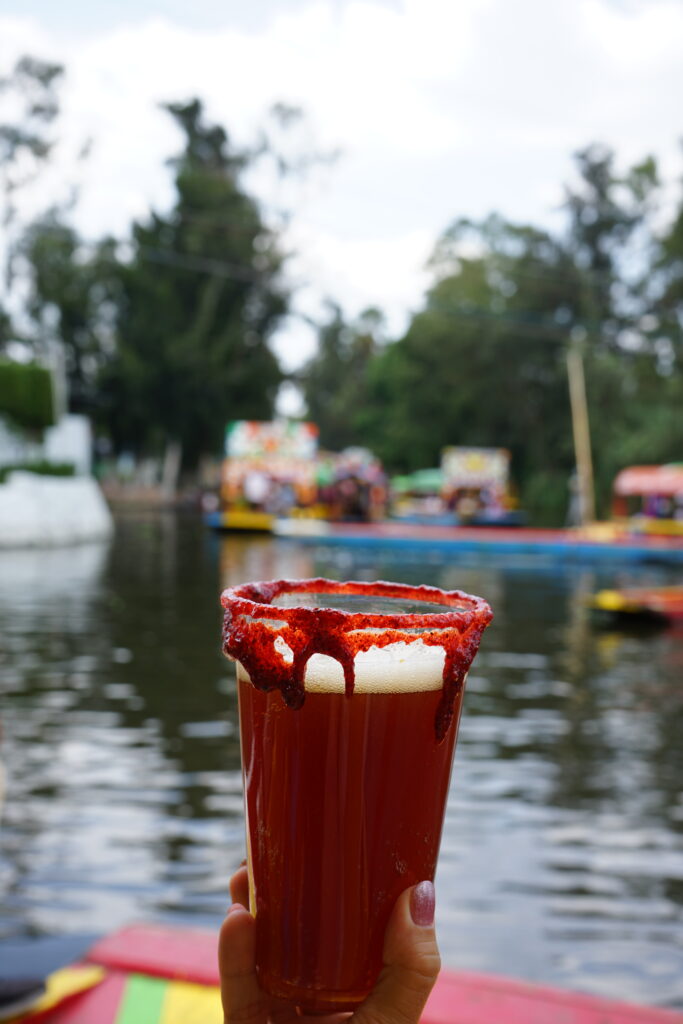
(397, 668)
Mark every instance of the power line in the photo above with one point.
(200, 264)
(573, 274)
(528, 320)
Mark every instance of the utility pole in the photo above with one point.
(581, 431)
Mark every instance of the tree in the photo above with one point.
(199, 300)
(632, 326)
(25, 138)
(6, 332)
(26, 397)
(483, 362)
(335, 380)
(658, 432)
(72, 291)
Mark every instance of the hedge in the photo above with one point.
(26, 395)
(42, 468)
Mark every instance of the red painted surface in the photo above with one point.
(459, 997)
(99, 1005)
(185, 954)
(465, 998)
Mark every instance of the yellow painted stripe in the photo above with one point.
(185, 1003)
(67, 982)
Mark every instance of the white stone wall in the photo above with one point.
(40, 511)
(70, 440)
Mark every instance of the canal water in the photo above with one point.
(562, 855)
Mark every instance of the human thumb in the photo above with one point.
(411, 962)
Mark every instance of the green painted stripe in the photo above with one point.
(142, 1000)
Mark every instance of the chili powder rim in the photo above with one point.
(254, 600)
(252, 620)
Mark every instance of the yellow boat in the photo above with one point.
(655, 603)
(245, 519)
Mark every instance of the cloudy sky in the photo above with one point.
(440, 108)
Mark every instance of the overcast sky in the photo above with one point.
(440, 108)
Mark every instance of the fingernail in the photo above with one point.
(233, 907)
(422, 903)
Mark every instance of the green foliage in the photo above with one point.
(25, 138)
(72, 294)
(42, 468)
(481, 363)
(197, 305)
(484, 361)
(545, 497)
(26, 395)
(6, 331)
(336, 380)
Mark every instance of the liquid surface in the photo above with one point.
(562, 854)
(359, 603)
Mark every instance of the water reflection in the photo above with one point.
(561, 859)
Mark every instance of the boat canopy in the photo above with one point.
(422, 481)
(643, 480)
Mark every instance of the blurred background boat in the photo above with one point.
(649, 499)
(653, 604)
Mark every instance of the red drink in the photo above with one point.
(344, 792)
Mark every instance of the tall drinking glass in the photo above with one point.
(349, 702)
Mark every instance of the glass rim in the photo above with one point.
(456, 609)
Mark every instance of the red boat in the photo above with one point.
(159, 975)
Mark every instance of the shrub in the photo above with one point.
(26, 394)
(43, 468)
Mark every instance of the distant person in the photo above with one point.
(467, 507)
(282, 498)
(256, 488)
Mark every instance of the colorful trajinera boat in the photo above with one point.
(649, 499)
(158, 975)
(658, 604)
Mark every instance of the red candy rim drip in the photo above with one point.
(249, 632)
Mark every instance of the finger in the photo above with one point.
(243, 1000)
(239, 887)
(411, 962)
